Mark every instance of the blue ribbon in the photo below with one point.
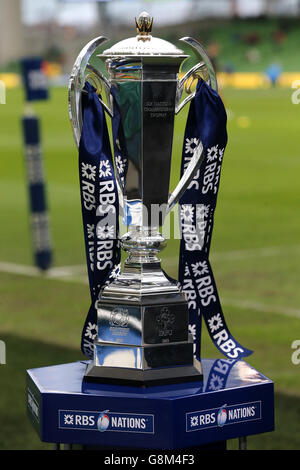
(218, 375)
(207, 124)
(99, 202)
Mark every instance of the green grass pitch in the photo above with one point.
(255, 252)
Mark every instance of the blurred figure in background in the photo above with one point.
(213, 51)
(273, 73)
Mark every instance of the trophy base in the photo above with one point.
(143, 323)
(144, 378)
(144, 365)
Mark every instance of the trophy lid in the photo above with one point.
(143, 44)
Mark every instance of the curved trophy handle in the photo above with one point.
(203, 66)
(187, 177)
(77, 81)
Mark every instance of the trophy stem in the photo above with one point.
(143, 245)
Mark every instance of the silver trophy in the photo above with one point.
(143, 336)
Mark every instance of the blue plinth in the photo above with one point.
(233, 400)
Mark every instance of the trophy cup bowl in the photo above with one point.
(143, 318)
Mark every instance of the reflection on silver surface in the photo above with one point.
(120, 324)
(143, 325)
(128, 99)
(143, 358)
(144, 93)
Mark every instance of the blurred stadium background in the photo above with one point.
(256, 249)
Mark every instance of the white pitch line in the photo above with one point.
(19, 269)
(261, 307)
(67, 271)
(61, 272)
(255, 253)
(79, 274)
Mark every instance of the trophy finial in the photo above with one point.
(144, 24)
